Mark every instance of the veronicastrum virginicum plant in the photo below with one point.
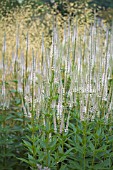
(12, 128)
(62, 92)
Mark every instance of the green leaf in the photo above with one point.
(68, 151)
(19, 119)
(74, 165)
(18, 101)
(92, 147)
(99, 131)
(13, 91)
(24, 160)
(62, 158)
(110, 138)
(53, 143)
(63, 167)
(79, 138)
(27, 144)
(15, 81)
(10, 117)
(104, 164)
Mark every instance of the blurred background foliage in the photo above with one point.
(62, 5)
(37, 16)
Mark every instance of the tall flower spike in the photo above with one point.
(3, 69)
(17, 42)
(27, 48)
(4, 43)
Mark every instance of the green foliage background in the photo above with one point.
(62, 5)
